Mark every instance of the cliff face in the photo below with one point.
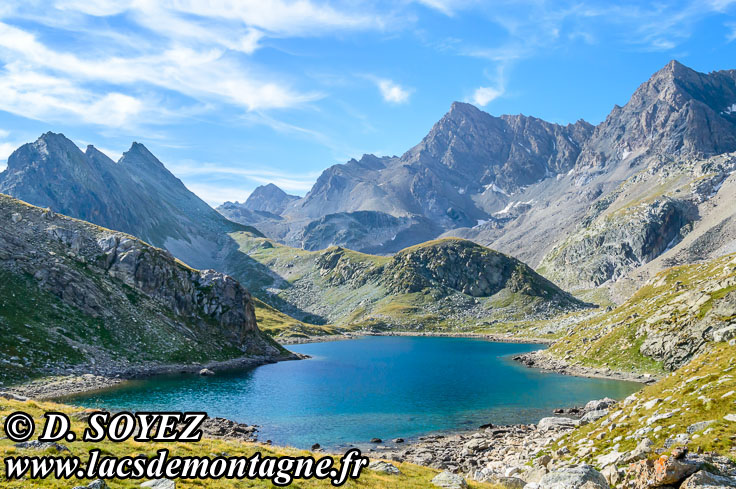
(666, 215)
(133, 304)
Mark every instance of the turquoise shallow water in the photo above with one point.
(351, 391)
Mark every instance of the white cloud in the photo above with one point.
(215, 195)
(6, 149)
(732, 35)
(290, 182)
(484, 95)
(447, 7)
(44, 97)
(195, 48)
(392, 92)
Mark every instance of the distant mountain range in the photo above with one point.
(587, 205)
(514, 183)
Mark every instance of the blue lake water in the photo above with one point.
(386, 387)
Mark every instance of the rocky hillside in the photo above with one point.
(648, 215)
(136, 195)
(80, 298)
(678, 432)
(447, 284)
(667, 323)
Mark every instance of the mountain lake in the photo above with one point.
(377, 386)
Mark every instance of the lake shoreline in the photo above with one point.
(498, 338)
(61, 386)
(541, 360)
(469, 448)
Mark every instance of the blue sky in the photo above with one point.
(230, 94)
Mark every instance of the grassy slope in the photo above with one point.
(703, 390)
(352, 292)
(613, 340)
(282, 326)
(413, 476)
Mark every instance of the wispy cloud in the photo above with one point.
(447, 7)
(197, 49)
(7, 147)
(391, 91)
(288, 181)
(484, 95)
(731, 36)
(215, 195)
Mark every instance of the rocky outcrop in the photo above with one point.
(468, 268)
(144, 304)
(613, 245)
(579, 477)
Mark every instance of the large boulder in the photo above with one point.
(384, 467)
(509, 482)
(448, 480)
(159, 484)
(599, 404)
(664, 471)
(705, 480)
(582, 476)
(554, 422)
(96, 484)
(592, 416)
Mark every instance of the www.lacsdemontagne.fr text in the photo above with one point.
(281, 471)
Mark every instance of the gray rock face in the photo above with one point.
(614, 245)
(705, 480)
(137, 195)
(574, 478)
(678, 111)
(156, 302)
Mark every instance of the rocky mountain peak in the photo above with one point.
(677, 112)
(97, 156)
(138, 156)
(268, 198)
